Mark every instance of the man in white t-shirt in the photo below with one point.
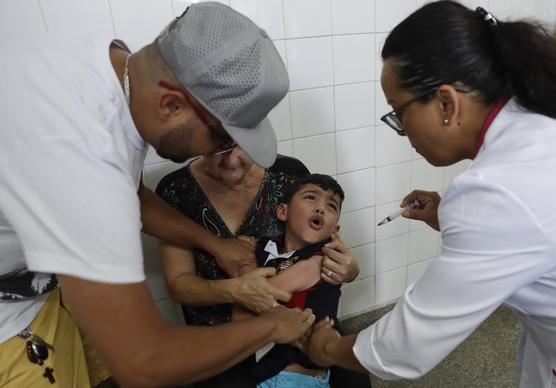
(77, 118)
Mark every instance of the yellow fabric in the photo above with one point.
(97, 371)
(57, 328)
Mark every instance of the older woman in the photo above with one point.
(231, 196)
(464, 85)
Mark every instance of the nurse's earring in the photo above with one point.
(445, 122)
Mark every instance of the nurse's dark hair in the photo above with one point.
(446, 43)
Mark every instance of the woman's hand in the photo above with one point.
(427, 210)
(253, 291)
(339, 265)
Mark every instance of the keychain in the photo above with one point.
(37, 351)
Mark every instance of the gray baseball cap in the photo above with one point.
(231, 67)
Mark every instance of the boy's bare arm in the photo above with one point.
(302, 275)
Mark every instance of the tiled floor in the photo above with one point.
(487, 359)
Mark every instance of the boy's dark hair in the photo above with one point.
(325, 182)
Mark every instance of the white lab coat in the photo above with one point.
(498, 226)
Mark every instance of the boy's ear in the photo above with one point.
(336, 232)
(282, 212)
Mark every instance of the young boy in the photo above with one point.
(311, 216)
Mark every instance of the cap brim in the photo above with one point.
(259, 143)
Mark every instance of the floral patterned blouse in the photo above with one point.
(181, 191)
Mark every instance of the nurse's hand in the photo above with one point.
(427, 210)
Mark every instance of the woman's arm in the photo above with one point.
(184, 286)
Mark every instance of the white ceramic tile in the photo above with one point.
(179, 6)
(393, 228)
(471, 4)
(357, 228)
(281, 48)
(390, 285)
(502, 9)
(309, 62)
(359, 187)
(391, 253)
(390, 13)
(305, 18)
(355, 149)
(317, 153)
(280, 119)
(365, 256)
(415, 225)
(353, 16)
(151, 249)
(425, 176)
(152, 174)
(268, 14)
(358, 296)
(391, 148)
(312, 111)
(380, 39)
(355, 105)
(77, 18)
(138, 26)
(423, 244)
(155, 279)
(542, 10)
(393, 182)
(168, 311)
(21, 18)
(450, 172)
(354, 58)
(414, 271)
(225, 2)
(152, 157)
(285, 147)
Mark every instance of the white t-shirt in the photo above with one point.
(498, 225)
(70, 163)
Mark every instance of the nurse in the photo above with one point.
(464, 85)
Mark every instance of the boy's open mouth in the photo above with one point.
(316, 222)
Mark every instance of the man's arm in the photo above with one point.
(251, 290)
(141, 350)
(326, 347)
(163, 221)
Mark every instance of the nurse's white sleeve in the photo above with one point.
(491, 246)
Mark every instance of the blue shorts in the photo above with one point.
(287, 379)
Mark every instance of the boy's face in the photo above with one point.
(311, 216)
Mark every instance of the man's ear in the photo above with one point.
(282, 212)
(172, 103)
(449, 104)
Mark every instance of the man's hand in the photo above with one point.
(290, 324)
(253, 291)
(339, 265)
(322, 335)
(232, 254)
(427, 210)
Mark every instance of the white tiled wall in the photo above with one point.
(329, 120)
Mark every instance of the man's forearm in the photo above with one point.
(340, 353)
(163, 221)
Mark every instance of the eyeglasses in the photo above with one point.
(394, 119)
(224, 143)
